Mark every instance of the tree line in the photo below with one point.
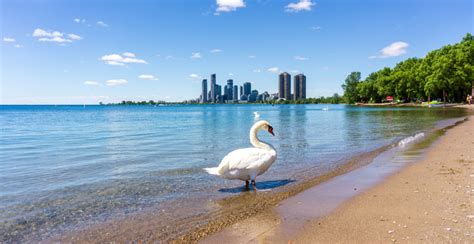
(446, 74)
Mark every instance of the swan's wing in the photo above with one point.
(247, 158)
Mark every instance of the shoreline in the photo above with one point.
(375, 214)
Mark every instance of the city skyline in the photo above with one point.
(231, 91)
(86, 52)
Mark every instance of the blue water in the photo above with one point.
(62, 166)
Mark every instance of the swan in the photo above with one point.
(326, 108)
(247, 163)
(257, 115)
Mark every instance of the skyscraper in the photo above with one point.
(213, 88)
(204, 91)
(218, 93)
(235, 94)
(299, 88)
(247, 88)
(230, 89)
(284, 86)
(241, 91)
(253, 96)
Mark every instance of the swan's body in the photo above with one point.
(326, 108)
(247, 163)
(257, 115)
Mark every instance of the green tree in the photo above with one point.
(350, 87)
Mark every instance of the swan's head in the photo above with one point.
(264, 125)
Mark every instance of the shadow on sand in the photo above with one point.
(261, 185)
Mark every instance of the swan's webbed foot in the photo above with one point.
(254, 184)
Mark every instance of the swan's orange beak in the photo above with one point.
(270, 130)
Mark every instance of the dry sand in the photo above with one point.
(429, 201)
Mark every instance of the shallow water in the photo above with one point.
(63, 167)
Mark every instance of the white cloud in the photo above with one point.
(315, 28)
(231, 74)
(57, 39)
(54, 36)
(274, 70)
(129, 54)
(257, 71)
(228, 5)
(18, 46)
(117, 59)
(79, 20)
(91, 83)
(42, 33)
(393, 50)
(170, 57)
(147, 77)
(74, 37)
(8, 39)
(102, 24)
(196, 55)
(194, 76)
(300, 58)
(252, 56)
(215, 51)
(116, 63)
(302, 5)
(116, 82)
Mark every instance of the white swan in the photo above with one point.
(326, 108)
(248, 163)
(257, 115)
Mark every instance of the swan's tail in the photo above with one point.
(212, 171)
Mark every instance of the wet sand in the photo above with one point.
(431, 200)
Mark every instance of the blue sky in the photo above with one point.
(74, 52)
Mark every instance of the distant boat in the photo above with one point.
(326, 108)
(256, 114)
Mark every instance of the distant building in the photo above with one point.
(284, 86)
(218, 93)
(247, 88)
(299, 88)
(274, 96)
(229, 89)
(241, 91)
(244, 97)
(204, 91)
(213, 88)
(235, 94)
(253, 96)
(265, 96)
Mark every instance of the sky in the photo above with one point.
(85, 52)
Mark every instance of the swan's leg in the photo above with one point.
(246, 184)
(254, 185)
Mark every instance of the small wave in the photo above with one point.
(410, 139)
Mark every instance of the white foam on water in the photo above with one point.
(411, 139)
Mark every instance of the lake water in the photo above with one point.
(64, 167)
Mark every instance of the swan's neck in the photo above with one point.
(256, 142)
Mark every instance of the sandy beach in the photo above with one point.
(430, 200)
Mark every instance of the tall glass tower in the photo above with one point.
(213, 88)
(204, 91)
